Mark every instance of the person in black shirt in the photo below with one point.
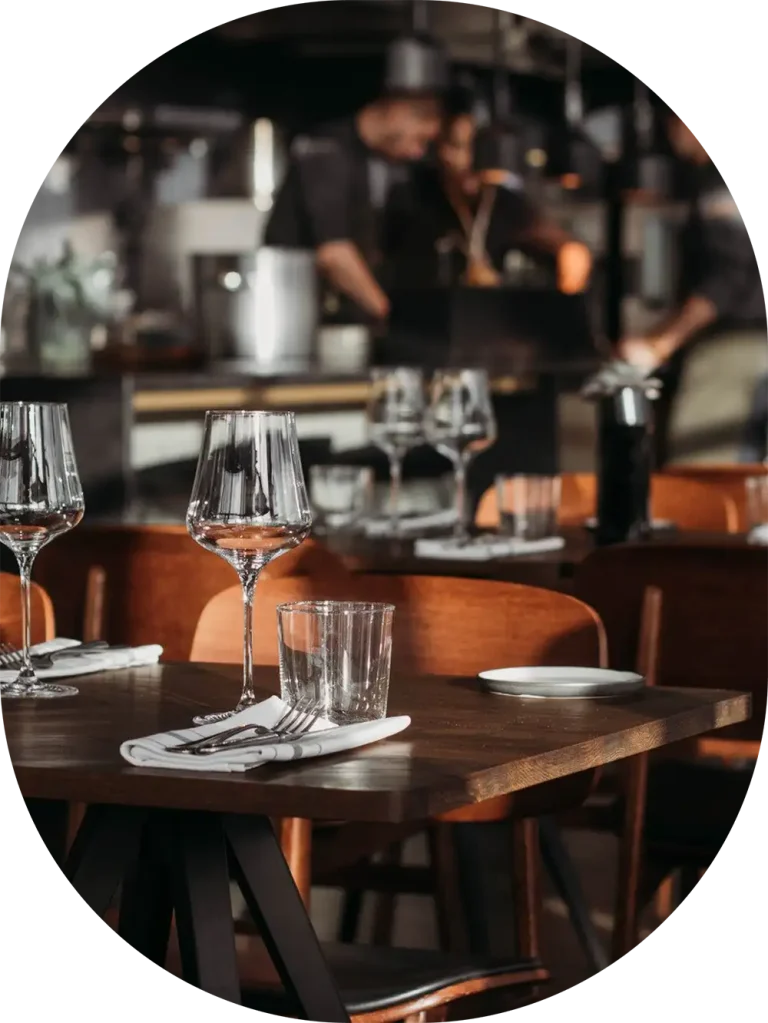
(326, 203)
(715, 339)
(446, 228)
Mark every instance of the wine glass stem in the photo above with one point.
(25, 560)
(395, 484)
(460, 530)
(248, 579)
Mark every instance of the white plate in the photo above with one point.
(561, 683)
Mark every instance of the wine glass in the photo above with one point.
(396, 424)
(249, 505)
(460, 423)
(40, 498)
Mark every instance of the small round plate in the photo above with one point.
(561, 683)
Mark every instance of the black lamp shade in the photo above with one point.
(499, 147)
(415, 64)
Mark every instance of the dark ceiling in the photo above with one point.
(305, 62)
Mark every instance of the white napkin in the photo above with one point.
(759, 534)
(411, 524)
(484, 548)
(86, 663)
(151, 751)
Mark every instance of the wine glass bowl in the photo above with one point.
(460, 423)
(249, 504)
(396, 423)
(40, 498)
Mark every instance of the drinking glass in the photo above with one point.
(460, 423)
(40, 498)
(528, 506)
(757, 500)
(340, 494)
(339, 654)
(249, 505)
(396, 424)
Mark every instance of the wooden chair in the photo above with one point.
(686, 502)
(43, 621)
(442, 626)
(711, 632)
(729, 480)
(155, 582)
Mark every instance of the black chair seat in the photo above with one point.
(372, 979)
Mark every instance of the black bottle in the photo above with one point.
(625, 464)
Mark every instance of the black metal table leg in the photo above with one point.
(562, 871)
(146, 908)
(105, 847)
(275, 904)
(201, 896)
(51, 818)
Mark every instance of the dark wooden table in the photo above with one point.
(551, 569)
(170, 838)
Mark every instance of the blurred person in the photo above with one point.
(326, 203)
(715, 342)
(437, 216)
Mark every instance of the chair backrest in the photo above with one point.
(729, 480)
(688, 503)
(442, 626)
(714, 617)
(157, 581)
(43, 621)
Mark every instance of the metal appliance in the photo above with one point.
(260, 308)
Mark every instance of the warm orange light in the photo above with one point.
(570, 181)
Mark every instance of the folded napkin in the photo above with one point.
(151, 751)
(484, 548)
(410, 525)
(86, 663)
(759, 534)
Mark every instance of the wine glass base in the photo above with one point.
(35, 691)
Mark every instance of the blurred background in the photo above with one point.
(143, 292)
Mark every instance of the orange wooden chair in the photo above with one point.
(441, 626)
(712, 632)
(43, 620)
(729, 480)
(145, 584)
(688, 503)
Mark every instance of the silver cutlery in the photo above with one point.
(255, 741)
(296, 721)
(11, 656)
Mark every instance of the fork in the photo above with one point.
(12, 657)
(294, 721)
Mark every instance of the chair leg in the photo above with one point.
(296, 843)
(437, 1015)
(351, 912)
(664, 900)
(627, 904)
(448, 908)
(562, 871)
(384, 912)
(525, 856)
